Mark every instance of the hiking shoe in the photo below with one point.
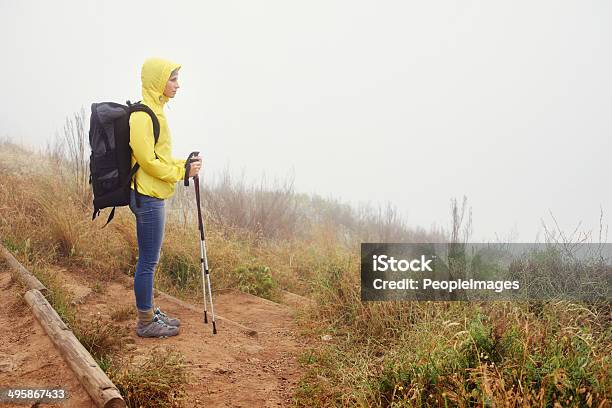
(156, 328)
(170, 321)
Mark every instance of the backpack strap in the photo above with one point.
(133, 174)
(139, 107)
(110, 217)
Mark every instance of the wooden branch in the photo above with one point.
(24, 276)
(99, 387)
(296, 301)
(162, 295)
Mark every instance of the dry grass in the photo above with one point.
(156, 382)
(103, 339)
(464, 354)
(381, 354)
(123, 313)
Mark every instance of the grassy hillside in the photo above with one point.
(262, 239)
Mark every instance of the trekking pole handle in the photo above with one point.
(190, 160)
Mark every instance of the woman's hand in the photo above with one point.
(195, 166)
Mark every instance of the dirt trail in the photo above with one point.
(231, 368)
(28, 358)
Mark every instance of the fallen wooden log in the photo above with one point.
(247, 330)
(254, 297)
(97, 384)
(296, 301)
(24, 276)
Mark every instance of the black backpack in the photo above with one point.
(111, 155)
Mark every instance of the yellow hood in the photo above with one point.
(154, 75)
(159, 171)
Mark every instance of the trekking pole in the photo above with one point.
(203, 257)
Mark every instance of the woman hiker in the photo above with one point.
(155, 181)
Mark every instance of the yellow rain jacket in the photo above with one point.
(156, 177)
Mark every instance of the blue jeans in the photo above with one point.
(150, 221)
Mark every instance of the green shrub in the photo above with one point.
(257, 280)
(179, 268)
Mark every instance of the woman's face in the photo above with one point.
(171, 86)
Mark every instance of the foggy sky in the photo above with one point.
(506, 102)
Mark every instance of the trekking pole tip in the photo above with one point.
(214, 328)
